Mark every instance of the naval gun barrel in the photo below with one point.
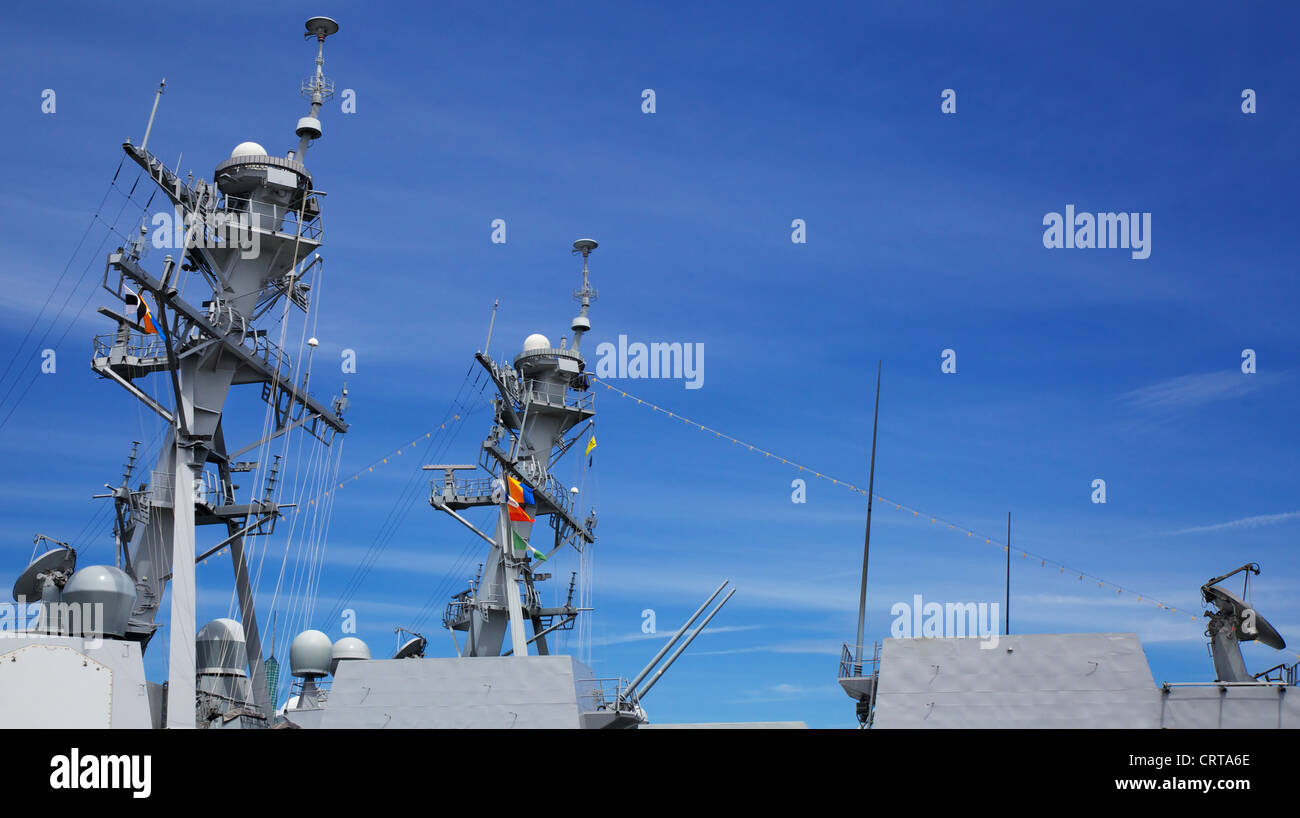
(645, 671)
(661, 671)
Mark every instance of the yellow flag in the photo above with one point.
(591, 444)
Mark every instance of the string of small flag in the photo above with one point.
(916, 513)
(383, 461)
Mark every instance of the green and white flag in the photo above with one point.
(521, 544)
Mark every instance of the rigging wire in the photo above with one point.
(58, 317)
(917, 513)
(401, 508)
(59, 281)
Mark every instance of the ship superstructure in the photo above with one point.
(504, 673)
(1067, 680)
(251, 236)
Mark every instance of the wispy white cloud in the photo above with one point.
(1188, 391)
(784, 692)
(821, 647)
(665, 635)
(1257, 521)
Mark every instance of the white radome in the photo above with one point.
(536, 341)
(347, 648)
(248, 149)
(309, 654)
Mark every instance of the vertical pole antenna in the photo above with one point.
(1008, 610)
(149, 128)
(866, 544)
(492, 323)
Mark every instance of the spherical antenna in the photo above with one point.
(103, 585)
(219, 648)
(309, 654)
(321, 27)
(349, 648)
(536, 341)
(247, 149)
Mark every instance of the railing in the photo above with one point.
(852, 667)
(161, 491)
(611, 694)
(464, 602)
(322, 689)
(471, 487)
(1258, 683)
(137, 346)
(534, 391)
(151, 346)
(456, 609)
(556, 493)
(241, 213)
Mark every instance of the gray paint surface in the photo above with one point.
(1209, 707)
(481, 692)
(1078, 680)
(1045, 681)
(70, 682)
(726, 725)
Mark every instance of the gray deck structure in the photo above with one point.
(73, 682)
(1080, 680)
(494, 692)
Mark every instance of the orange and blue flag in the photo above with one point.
(142, 315)
(519, 496)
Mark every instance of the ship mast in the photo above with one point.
(249, 235)
(544, 406)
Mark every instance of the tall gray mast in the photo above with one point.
(249, 235)
(866, 542)
(544, 406)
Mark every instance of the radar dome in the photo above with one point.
(247, 149)
(106, 585)
(309, 655)
(348, 648)
(219, 648)
(536, 341)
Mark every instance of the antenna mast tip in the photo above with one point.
(321, 27)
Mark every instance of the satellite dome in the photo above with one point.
(220, 648)
(309, 655)
(347, 648)
(247, 149)
(536, 341)
(106, 585)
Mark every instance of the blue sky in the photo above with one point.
(924, 233)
